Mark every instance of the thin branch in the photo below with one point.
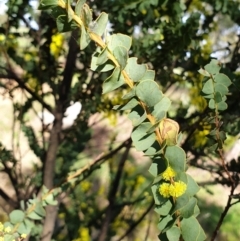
(13, 76)
(224, 213)
(134, 225)
(112, 194)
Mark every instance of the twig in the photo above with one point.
(134, 225)
(224, 213)
(11, 75)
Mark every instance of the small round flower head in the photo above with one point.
(168, 173)
(164, 190)
(177, 189)
(7, 229)
(23, 235)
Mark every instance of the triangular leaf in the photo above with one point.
(191, 230)
(148, 91)
(121, 55)
(100, 25)
(139, 70)
(114, 81)
(208, 87)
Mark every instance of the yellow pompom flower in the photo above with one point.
(164, 189)
(7, 229)
(23, 235)
(177, 189)
(168, 173)
(56, 45)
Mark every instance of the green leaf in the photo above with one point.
(39, 209)
(163, 209)
(34, 216)
(223, 90)
(208, 87)
(211, 96)
(100, 25)
(86, 15)
(222, 79)
(191, 230)
(148, 91)
(114, 81)
(141, 140)
(119, 39)
(218, 97)
(16, 216)
(149, 74)
(130, 94)
(211, 104)
(204, 72)
(158, 166)
(176, 157)
(161, 108)
(164, 222)
(102, 57)
(62, 24)
(196, 211)
(213, 67)
(25, 227)
(69, 12)
(79, 6)
(49, 200)
(101, 68)
(136, 71)
(173, 234)
(121, 55)
(130, 105)
(137, 115)
(181, 176)
(47, 4)
(188, 210)
(158, 199)
(222, 105)
(9, 237)
(84, 39)
(181, 202)
(192, 187)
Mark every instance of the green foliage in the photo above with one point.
(215, 86)
(147, 95)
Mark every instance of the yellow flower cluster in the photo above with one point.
(171, 189)
(168, 174)
(176, 189)
(56, 45)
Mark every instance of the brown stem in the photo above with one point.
(50, 162)
(224, 213)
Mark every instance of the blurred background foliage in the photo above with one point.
(43, 72)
